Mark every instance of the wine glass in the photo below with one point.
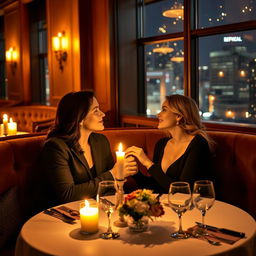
(203, 198)
(106, 198)
(179, 199)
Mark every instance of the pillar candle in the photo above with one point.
(120, 162)
(12, 127)
(5, 124)
(1, 130)
(89, 217)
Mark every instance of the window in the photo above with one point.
(164, 73)
(161, 37)
(227, 86)
(227, 60)
(38, 53)
(203, 49)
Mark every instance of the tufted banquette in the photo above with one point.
(27, 117)
(235, 169)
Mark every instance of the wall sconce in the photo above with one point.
(60, 45)
(12, 56)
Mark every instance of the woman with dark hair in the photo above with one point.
(185, 155)
(74, 158)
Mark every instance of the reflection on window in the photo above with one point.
(164, 73)
(227, 69)
(221, 12)
(163, 17)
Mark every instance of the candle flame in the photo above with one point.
(5, 116)
(120, 147)
(87, 204)
(11, 121)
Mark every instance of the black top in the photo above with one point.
(193, 165)
(66, 175)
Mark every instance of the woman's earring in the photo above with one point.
(177, 123)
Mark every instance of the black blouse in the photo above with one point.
(193, 165)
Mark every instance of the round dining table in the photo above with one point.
(45, 235)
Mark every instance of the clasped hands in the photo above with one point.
(140, 155)
(130, 164)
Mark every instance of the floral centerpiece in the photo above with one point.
(139, 206)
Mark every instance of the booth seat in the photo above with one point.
(235, 172)
(29, 117)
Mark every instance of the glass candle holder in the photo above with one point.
(89, 217)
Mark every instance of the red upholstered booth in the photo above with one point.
(235, 166)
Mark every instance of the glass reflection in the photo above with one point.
(227, 85)
(164, 73)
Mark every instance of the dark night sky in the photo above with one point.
(207, 9)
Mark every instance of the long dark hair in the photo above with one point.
(71, 110)
(190, 121)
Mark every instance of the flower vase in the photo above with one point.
(137, 226)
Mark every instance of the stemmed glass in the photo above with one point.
(203, 198)
(106, 198)
(179, 199)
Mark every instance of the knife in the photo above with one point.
(222, 230)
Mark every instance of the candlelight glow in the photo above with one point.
(120, 147)
(87, 204)
(5, 117)
(89, 217)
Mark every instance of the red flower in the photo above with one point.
(157, 210)
(130, 197)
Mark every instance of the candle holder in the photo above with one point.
(121, 222)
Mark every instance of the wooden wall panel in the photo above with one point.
(25, 53)
(101, 53)
(62, 16)
(12, 39)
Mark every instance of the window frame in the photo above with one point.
(190, 36)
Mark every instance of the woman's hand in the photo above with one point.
(130, 167)
(140, 155)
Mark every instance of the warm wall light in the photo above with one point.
(11, 57)
(60, 46)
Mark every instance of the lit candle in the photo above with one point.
(12, 127)
(120, 162)
(1, 129)
(89, 217)
(5, 124)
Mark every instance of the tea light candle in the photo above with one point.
(5, 124)
(120, 162)
(89, 218)
(12, 127)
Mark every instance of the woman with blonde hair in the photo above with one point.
(185, 155)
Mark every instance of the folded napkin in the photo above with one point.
(71, 213)
(52, 212)
(214, 235)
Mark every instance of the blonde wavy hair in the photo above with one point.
(190, 120)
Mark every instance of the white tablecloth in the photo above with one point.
(44, 235)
